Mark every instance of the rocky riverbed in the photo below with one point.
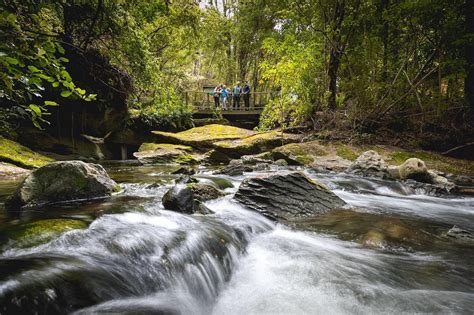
(287, 229)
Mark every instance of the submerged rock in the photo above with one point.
(287, 197)
(185, 171)
(62, 181)
(460, 234)
(38, 232)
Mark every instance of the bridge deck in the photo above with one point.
(203, 103)
(230, 111)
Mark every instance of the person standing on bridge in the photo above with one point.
(236, 95)
(217, 92)
(224, 95)
(246, 94)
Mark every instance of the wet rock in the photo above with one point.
(215, 157)
(281, 162)
(460, 234)
(9, 170)
(218, 182)
(235, 168)
(369, 163)
(256, 159)
(185, 171)
(150, 153)
(287, 197)
(203, 192)
(428, 189)
(188, 198)
(62, 181)
(179, 198)
(39, 232)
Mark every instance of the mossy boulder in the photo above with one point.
(39, 232)
(218, 182)
(19, 155)
(254, 144)
(299, 153)
(163, 153)
(203, 137)
(204, 192)
(62, 181)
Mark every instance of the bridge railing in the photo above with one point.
(204, 101)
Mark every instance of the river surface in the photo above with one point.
(387, 252)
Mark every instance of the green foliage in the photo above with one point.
(32, 63)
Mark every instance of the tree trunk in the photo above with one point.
(335, 52)
(469, 52)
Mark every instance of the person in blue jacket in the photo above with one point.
(224, 95)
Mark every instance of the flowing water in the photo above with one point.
(386, 253)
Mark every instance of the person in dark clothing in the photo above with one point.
(217, 92)
(236, 95)
(246, 95)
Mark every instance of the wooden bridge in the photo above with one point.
(204, 106)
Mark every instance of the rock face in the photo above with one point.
(188, 198)
(151, 153)
(62, 181)
(287, 197)
(369, 162)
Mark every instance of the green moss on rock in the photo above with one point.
(157, 146)
(42, 231)
(254, 144)
(346, 152)
(203, 136)
(17, 154)
(300, 153)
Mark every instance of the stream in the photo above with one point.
(386, 253)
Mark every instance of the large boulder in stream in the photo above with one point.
(287, 197)
(60, 182)
(188, 197)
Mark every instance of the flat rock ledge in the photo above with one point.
(287, 197)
